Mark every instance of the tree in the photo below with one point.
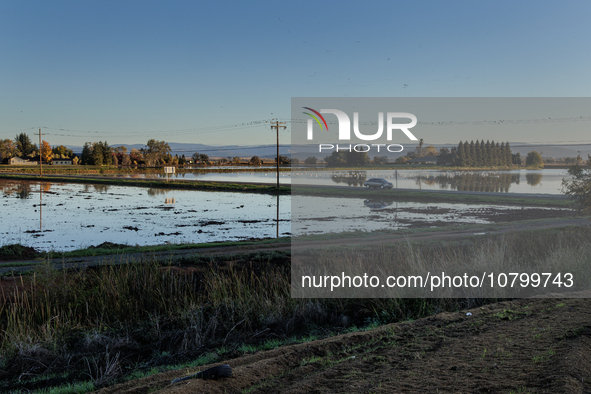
(125, 160)
(62, 152)
(444, 157)
(341, 159)
(200, 158)
(7, 149)
(311, 160)
(461, 155)
(45, 152)
(401, 160)
(155, 152)
(87, 158)
(283, 160)
(578, 186)
(24, 145)
(420, 148)
(534, 159)
(336, 159)
(380, 160)
(98, 154)
(255, 161)
(75, 160)
(429, 150)
(516, 159)
(136, 156)
(236, 160)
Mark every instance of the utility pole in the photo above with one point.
(277, 125)
(40, 157)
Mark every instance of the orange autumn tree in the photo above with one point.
(46, 153)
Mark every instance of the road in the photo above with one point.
(444, 234)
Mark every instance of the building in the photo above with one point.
(19, 161)
(425, 160)
(61, 162)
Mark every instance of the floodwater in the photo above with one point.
(514, 181)
(59, 216)
(318, 215)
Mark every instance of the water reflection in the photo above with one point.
(152, 191)
(351, 178)
(533, 179)
(374, 204)
(96, 188)
(477, 181)
(21, 189)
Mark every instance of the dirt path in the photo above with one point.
(443, 234)
(523, 346)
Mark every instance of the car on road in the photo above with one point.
(378, 183)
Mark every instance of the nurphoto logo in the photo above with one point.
(344, 123)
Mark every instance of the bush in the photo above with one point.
(578, 186)
(534, 159)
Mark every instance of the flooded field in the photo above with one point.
(57, 216)
(514, 181)
(70, 216)
(318, 215)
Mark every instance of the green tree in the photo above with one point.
(534, 159)
(155, 152)
(87, 157)
(311, 160)
(478, 157)
(380, 160)
(508, 154)
(255, 161)
(336, 159)
(62, 152)
(98, 154)
(472, 160)
(461, 155)
(283, 160)
(200, 158)
(25, 146)
(578, 185)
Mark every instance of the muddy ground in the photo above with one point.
(523, 346)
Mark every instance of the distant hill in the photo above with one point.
(269, 151)
(262, 151)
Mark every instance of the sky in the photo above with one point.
(202, 71)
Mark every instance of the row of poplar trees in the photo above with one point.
(483, 154)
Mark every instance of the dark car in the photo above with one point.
(378, 183)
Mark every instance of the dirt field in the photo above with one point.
(523, 346)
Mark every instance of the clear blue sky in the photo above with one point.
(124, 68)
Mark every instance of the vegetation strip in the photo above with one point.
(424, 196)
(160, 184)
